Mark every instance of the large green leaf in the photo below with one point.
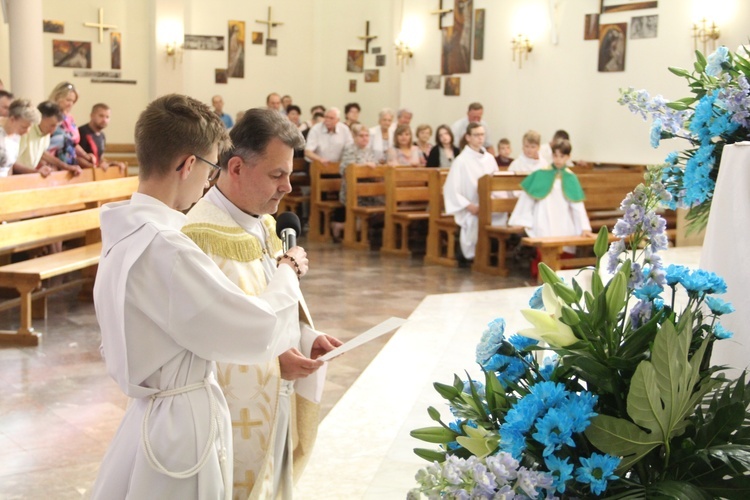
(621, 438)
(679, 490)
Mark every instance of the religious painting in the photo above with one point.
(236, 49)
(257, 38)
(372, 75)
(456, 43)
(272, 47)
(220, 75)
(380, 60)
(644, 27)
(452, 85)
(479, 34)
(89, 73)
(50, 26)
(203, 42)
(115, 47)
(352, 85)
(612, 47)
(69, 54)
(375, 50)
(591, 27)
(355, 61)
(432, 82)
(114, 80)
(608, 6)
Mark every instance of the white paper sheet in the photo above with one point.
(386, 326)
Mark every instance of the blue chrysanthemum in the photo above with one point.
(561, 470)
(597, 471)
(719, 306)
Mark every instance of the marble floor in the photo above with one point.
(59, 409)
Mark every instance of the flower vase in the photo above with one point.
(726, 251)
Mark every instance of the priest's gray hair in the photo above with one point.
(257, 127)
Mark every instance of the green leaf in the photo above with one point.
(578, 289)
(446, 391)
(726, 420)
(688, 100)
(621, 438)
(430, 455)
(596, 285)
(679, 490)
(616, 292)
(677, 105)
(679, 71)
(439, 435)
(701, 60)
(591, 371)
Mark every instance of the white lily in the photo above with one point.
(547, 325)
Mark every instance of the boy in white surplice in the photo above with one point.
(167, 313)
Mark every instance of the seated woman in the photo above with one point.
(351, 114)
(443, 153)
(64, 142)
(403, 151)
(21, 116)
(381, 135)
(423, 142)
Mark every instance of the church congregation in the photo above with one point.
(151, 307)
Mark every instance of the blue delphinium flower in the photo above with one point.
(737, 101)
(561, 470)
(719, 306)
(532, 482)
(597, 471)
(722, 333)
(715, 60)
(491, 340)
(640, 314)
(656, 133)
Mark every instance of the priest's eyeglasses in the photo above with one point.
(215, 169)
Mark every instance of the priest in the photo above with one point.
(274, 405)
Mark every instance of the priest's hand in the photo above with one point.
(295, 365)
(323, 344)
(296, 258)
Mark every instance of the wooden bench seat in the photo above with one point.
(296, 200)
(442, 231)
(325, 184)
(406, 202)
(362, 182)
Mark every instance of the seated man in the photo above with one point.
(326, 141)
(35, 143)
(218, 103)
(473, 115)
(93, 140)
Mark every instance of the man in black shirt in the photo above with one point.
(93, 140)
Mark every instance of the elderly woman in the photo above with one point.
(381, 135)
(423, 142)
(64, 143)
(443, 153)
(404, 152)
(21, 116)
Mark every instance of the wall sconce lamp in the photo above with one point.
(403, 53)
(173, 52)
(704, 32)
(521, 45)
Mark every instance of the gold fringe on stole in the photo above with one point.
(225, 242)
(274, 242)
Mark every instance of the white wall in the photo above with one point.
(558, 87)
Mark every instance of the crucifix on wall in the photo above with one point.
(368, 37)
(269, 23)
(101, 26)
(440, 13)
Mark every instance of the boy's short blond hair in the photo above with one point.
(503, 142)
(175, 126)
(532, 137)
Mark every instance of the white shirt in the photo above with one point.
(329, 145)
(379, 145)
(525, 164)
(11, 143)
(459, 130)
(33, 145)
(166, 313)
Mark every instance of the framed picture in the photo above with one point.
(50, 26)
(432, 82)
(612, 47)
(644, 26)
(115, 42)
(69, 54)
(220, 75)
(352, 85)
(478, 34)
(608, 6)
(591, 27)
(355, 61)
(272, 47)
(452, 85)
(203, 42)
(380, 60)
(372, 75)
(375, 50)
(257, 38)
(236, 49)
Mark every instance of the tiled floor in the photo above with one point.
(59, 409)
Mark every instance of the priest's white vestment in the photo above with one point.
(274, 427)
(461, 189)
(167, 312)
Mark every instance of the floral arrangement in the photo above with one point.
(718, 113)
(622, 402)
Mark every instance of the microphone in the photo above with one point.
(287, 228)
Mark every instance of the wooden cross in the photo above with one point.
(269, 23)
(101, 26)
(367, 37)
(440, 13)
(245, 423)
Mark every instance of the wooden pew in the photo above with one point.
(362, 181)
(442, 230)
(492, 241)
(31, 181)
(325, 183)
(27, 276)
(296, 199)
(121, 152)
(407, 195)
